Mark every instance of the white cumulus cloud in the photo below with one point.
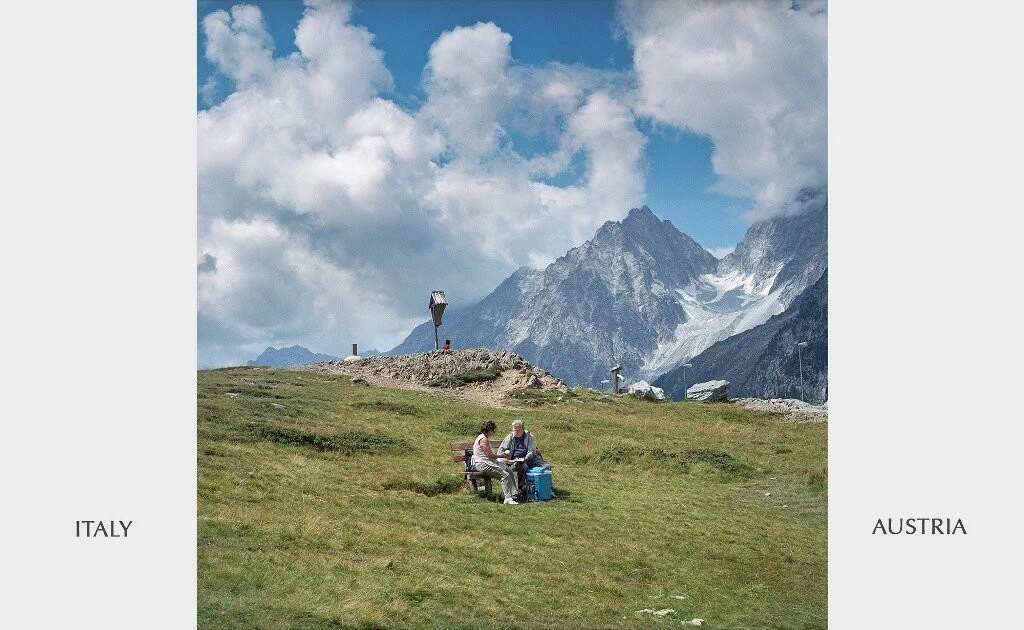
(751, 75)
(327, 211)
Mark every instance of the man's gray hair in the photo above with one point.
(518, 423)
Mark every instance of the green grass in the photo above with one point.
(324, 504)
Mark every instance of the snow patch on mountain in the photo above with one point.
(733, 309)
(774, 263)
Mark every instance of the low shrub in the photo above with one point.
(719, 460)
(464, 378)
(633, 455)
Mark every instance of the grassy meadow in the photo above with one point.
(326, 504)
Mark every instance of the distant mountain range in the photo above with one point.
(763, 362)
(296, 355)
(642, 294)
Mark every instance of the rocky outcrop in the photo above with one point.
(645, 391)
(709, 391)
(790, 409)
(438, 364)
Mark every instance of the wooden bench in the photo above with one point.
(460, 449)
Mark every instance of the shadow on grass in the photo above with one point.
(563, 494)
(442, 485)
(316, 622)
(386, 406)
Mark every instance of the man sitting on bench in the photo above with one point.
(520, 447)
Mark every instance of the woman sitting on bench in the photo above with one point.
(486, 461)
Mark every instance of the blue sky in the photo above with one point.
(677, 164)
(354, 154)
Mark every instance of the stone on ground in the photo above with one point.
(791, 409)
(709, 391)
(645, 391)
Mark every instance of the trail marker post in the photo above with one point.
(615, 378)
(436, 306)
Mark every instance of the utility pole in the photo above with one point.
(800, 357)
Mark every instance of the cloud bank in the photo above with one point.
(327, 211)
(750, 75)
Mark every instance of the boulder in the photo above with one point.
(709, 391)
(646, 391)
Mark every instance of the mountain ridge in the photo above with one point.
(640, 293)
(296, 355)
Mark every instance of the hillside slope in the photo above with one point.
(328, 504)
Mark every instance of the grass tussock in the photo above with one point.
(347, 443)
(722, 462)
(459, 427)
(464, 378)
(818, 480)
(542, 397)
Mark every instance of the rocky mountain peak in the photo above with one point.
(288, 357)
(642, 216)
(668, 255)
(777, 249)
(640, 293)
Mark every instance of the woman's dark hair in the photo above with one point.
(447, 340)
(487, 426)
